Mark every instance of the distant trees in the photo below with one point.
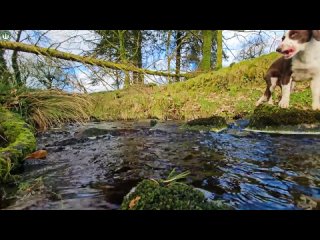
(254, 43)
(207, 38)
(219, 49)
(122, 46)
(254, 47)
(4, 72)
(182, 50)
(36, 70)
(171, 51)
(14, 59)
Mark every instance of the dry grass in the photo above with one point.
(48, 108)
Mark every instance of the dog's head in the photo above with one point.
(295, 41)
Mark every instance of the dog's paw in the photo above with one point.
(270, 102)
(258, 103)
(261, 100)
(284, 103)
(315, 106)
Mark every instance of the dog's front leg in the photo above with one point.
(315, 89)
(285, 94)
(293, 84)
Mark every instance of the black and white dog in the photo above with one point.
(300, 61)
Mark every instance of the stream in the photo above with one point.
(93, 166)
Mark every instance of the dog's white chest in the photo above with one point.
(306, 64)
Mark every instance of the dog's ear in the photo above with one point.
(316, 34)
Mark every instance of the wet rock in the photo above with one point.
(241, 123)
(31, 162)
(273, 118)
(105, 133)
(153, 122)
(69, 141)
(214, 123)
(93, 132)
(122, 169)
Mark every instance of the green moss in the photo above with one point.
(266, 116)
(150, 195)
(213, 123)
(21, 141)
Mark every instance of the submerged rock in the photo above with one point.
(153, 122)
(94, 132)
(150, 195)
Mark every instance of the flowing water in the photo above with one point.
(94, 166)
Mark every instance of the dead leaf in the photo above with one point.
(134, 202)
(40, 154)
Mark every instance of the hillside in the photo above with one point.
(229, 92)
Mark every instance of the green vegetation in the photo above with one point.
(213, 123)
(275, 118)
(21, 142)
(168, 194)
(42, 110)
(48, 108)
(227, 93)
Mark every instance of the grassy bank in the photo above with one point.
(230, 92)
(50, 108)
(23, 112)
(20, 141)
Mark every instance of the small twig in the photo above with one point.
(3, 138)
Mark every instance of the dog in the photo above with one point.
(300, 59)
(278, 74)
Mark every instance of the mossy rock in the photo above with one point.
(21, 141)
(150, 195)
(213, 123)
(276, 118)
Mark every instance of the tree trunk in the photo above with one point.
(15, 64)
(219, 49)
(123, 57)
(178, 54)
(207, 36)
(85, 60)
(3, 64)
(168, 54)
(137, 58)
(117, 80)
(4, 73)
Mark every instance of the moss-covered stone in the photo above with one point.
(213, 123)
(21, 141)
(273, 117)
(150, 195)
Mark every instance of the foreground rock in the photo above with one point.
(150, 195)
(274, 119)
